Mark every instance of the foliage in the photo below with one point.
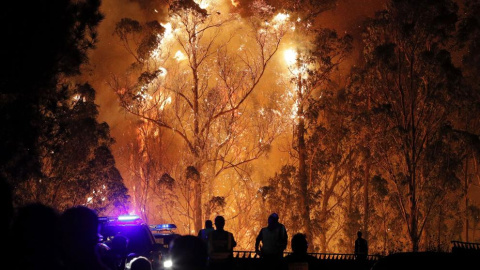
(413, 88)
(281, 196)
(61, 45)
(55, 151)
(77, 164)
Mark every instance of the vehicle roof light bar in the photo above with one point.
(163, 227)
(128, 217)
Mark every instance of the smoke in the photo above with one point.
(347, 18)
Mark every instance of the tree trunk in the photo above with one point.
(413, 216)
(439, 228)
(466, 199)
(366, 216)
(302, 168)
(197, 205)
(351, 234)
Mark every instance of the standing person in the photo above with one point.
(203, 233)
(220, 246)
(274, 240)
(361, 247)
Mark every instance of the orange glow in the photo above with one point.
(290, 56)
(179, 56)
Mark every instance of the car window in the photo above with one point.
(139, 237)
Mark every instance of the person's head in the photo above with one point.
(273, 219)
(208, 224)
(45, 220)
(140, 263)
(80, 231)
(299, 243)
(35, 231)
(359, 234)
(219, 222)
(188, 253)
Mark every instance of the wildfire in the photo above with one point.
(281, 18)
(203, 4)
(290, 56)
(179, 56)
(163, 94)
(167, 101)
(163, 70)
(206, 3)
(168, 34)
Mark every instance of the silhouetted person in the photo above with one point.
(102, 251)
(6, 219)
(7, 206)
(188, 252)
(37, 241)
(115, 258)
(80, 236)
(361, 247)
(299, 259)
(140, 263)
(274, 240)
(203, 233)
(220, 246)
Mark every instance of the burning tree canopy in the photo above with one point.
(195, 75)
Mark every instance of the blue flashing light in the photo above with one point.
(128, 218)
(102, 219)
(106, 219)
(164, 227)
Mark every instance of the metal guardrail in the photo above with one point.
(458, 245)
(244, 254)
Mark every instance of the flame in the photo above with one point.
(281, 18)
(290, 56)
(169, 34)
(179, 56)
(163, 70)
(293, 113)
(166, 102)
(205, 3)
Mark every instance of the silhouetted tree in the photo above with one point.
(41, 50)
(77, 164)
(413, 88)
(468, 36)
(53, 149)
